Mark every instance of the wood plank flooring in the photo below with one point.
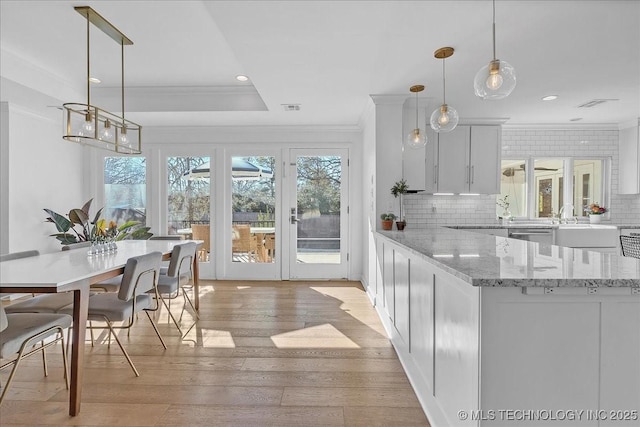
(262, 354)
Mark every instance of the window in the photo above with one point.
(543, 187)
(125, 189)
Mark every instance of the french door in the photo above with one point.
(317, 214)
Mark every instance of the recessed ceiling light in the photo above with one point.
(241, 78)
(94, 80)
(550, 97)
(575, 119)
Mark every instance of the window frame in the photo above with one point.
(567, 186)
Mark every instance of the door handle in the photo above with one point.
(293, 219)
(473, 175)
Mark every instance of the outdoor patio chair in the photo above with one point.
(24, 334)
(244, 242)
(201, 232)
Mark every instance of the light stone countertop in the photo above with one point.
(485, 260)
(541, 225)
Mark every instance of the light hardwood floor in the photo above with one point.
(262, 354)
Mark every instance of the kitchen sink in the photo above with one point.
(586, 236)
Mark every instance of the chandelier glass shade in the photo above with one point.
(87, 124)
(417, 138)
(497, 79)
(444, 118)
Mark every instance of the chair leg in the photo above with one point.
(44, 362)
(126, 355)
(155, 328)
(65, 363)
(187, 299)
(175, 322)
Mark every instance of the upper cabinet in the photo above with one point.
(629, 181)
(467, 161)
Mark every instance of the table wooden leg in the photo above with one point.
(196, 283)
(80, 309)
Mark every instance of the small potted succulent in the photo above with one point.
(398, 190)
(387, 220)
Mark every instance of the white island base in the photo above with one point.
(508, 356)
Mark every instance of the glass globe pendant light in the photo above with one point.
(416, 138)
(497, 79)
(444, 118)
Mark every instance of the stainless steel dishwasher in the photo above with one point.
(540, 235)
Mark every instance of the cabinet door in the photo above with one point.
(401, 319)
(485, 160)
(453, 161)
(629, 145)
(431, 163)
(388, 277)
(421, 300)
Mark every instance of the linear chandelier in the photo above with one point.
(94, 126)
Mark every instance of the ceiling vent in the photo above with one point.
(291, 107)
(595, 102)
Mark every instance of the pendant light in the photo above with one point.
(416, 138)
(444, 118)
(94, 126)
(497, 79)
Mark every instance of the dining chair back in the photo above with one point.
(139, 278)
(177, 277)
(630, 246)
(24, 334)
(170, 237)
(18, 255)
(78, 245)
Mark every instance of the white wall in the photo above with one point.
(44, 171)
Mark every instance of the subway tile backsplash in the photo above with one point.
(426, 209)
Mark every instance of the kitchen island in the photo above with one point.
(498, 331)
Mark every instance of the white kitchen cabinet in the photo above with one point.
(401, 288)
(469, 160)
(629, 145)
(418, 163)
(388, 295)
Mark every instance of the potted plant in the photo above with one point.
(398, 190)
(595, 212)
(387, 220)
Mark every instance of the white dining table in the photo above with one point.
(74, 271)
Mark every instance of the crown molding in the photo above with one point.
(561, 126)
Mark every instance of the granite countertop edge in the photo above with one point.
(410, 240)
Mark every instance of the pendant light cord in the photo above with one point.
(444, 86)
(88, 67)
(417, 111)
(494, 30)
(122, 77)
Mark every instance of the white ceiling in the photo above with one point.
(330, 56)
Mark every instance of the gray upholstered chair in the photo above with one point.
(177, 277)
(24, 334)
(18, 255)
(43, 303)
(169, 237)
(78, 245)
(139, 281)
(108, 285)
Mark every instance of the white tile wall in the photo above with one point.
(423, 209)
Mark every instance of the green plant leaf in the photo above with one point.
(128, 224)
(65, 238)
(141, 233)
(62, 224)
(78, 216)
(86, 207)
(97, 217)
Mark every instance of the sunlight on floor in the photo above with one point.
(210, 338)
(321, 336)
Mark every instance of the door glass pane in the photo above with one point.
(587, 175)
(548, 187)
(125, 189)
(513, 186)
(253, 200)
(318, 209)
(188, 207)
